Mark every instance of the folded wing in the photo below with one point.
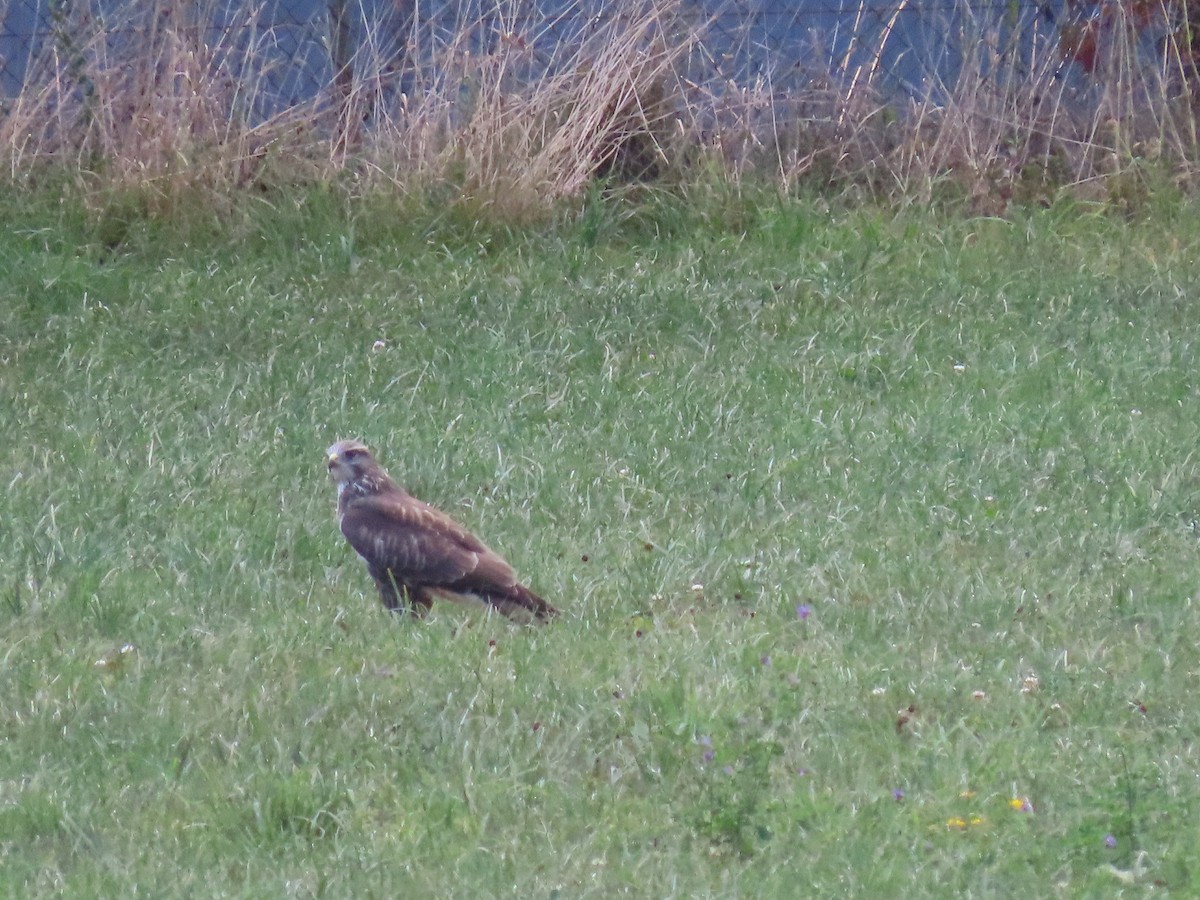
(422, 547)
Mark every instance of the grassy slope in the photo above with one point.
(967, 447)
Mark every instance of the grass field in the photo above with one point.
(875, 538)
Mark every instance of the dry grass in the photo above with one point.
(180, 109)
(1018, 122)
(507, 114)
(152, 103)
(510, 144)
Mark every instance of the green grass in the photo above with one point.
(968, 447)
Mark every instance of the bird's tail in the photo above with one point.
(522, 605)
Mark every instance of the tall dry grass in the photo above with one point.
(144, 96)
(606, 97)
(1020, 121)
(505, 113)
(152, 98)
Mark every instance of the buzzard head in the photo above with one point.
(351, 466)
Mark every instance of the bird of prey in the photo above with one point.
(417, 553)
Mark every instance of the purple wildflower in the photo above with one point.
(803, 611)
(1110, 842)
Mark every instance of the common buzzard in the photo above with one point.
(416, 553)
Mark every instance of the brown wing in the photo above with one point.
(421, 546)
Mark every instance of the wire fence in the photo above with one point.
(294, 50)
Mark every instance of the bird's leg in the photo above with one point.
(420, 601)
(394, 594)
(391, 592)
